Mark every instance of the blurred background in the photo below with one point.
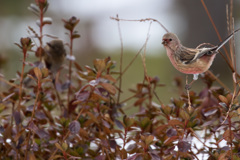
(100, 36)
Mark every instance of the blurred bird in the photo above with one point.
(54, 55)
(191, 60)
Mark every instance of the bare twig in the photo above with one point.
(131, 62)
(230, 106)
(189, 101)
(219, 81)
(121, 62)
(228, 59)
(9, 83)
(141, 20)
(145, 68)
(70, 70)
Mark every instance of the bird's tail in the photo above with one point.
(227, 39)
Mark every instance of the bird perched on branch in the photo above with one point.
(191, 60)
(54, 55)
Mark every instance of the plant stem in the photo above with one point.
(121, 63)
(21, 79)
(41, 31)
(70, 68)
(230, 136)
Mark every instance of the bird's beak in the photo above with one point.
(164, 42)
(49, 44)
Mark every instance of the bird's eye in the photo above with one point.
(170, 39)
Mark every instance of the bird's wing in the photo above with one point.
(201, 52)
(186, 54)
(211, 50)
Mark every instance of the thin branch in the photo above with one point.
(216, 30)
(230, 105)
(219, 81)
(70, 70)
(121, 62)
(141, 20)
(145, 68)
(131, 62)
(189, 101)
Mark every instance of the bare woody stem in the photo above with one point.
(121, 63)
(70, 68)
(21, 78)
(141, 20)
(33, 113)
(41, 33)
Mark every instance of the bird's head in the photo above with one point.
(57, 47)
(170, 40)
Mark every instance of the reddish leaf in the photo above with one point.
(209, 112)
(139, 101)
(128, 121)
(110, 88)
(65, 85)
(82, 96)
(112, 144)
(1, 129)
(223, 99)
(228, 135)
(169, 150)
(100, 157)
(2, 107)
(45, 72)
(149, 140)
(78, 67)
(42, 134)
(106, 124)
(170, 140)
(74, 127)
(59, 146)
(145, 123)
(40, 115)
(72, 106)
(183, 146)
(37, 73)
(32, 127)
(99, 64)
(171, 132)
(131, 148)
(110, 78)
(104, 142)
(7, 97)
(154, 156)
(92, 117)
(119, 124)
(135, 157)
(97, 96)
(17, 117)
(65, 146)
(75, 35)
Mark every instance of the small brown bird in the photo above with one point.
(54, 55)
(191, 60)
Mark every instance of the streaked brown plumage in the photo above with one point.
(54, 55)
(191, 60)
